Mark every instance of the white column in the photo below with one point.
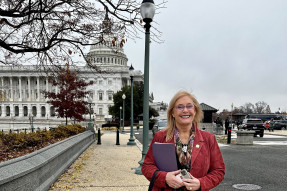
(12, 111)
(2, 91)
(11, 89)
(48, 111)
(38, 88)
(38, 109)
(2, 84)
(47, 86)
(29, 109)
(29, 89)
(20, 88)
(2, 110)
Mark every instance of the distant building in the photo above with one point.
(160, 107)
(207, 112)
(21, 87)
(207, 123)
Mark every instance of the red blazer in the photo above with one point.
(206, 161)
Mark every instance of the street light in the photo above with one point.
(31, 118)
(118, 133)
(90, 124)
(147, 10)
(132, 140)
(231, 116)
(121, 116)
(124, 97)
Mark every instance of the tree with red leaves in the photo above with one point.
(68, 101)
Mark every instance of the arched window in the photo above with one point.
(7, 111)
(52, 111)
(16, 111)
(34, 111)
(25, 111)
(43, 111)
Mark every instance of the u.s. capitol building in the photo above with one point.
(21, 88)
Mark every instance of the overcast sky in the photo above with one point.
(223, 51)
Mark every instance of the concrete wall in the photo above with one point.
(40, 169)
(209, 127)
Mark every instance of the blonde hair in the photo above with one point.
(170, 120)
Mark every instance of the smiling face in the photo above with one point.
(184, 111)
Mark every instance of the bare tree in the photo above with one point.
(260, 107)
(49, 32)
(237, 110)
(247, 108)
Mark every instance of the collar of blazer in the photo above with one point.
(197, 145)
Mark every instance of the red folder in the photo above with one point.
(164, 156)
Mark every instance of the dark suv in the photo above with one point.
(280, 124)
(254, 125)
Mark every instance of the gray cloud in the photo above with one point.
(224, 51)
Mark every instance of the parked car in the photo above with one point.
(240, 126)
(159, 125)
(254, 125)
(280, 124)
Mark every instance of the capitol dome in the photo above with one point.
(109, 52)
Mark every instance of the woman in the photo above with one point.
(197, 151)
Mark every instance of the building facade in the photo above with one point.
(22, 100)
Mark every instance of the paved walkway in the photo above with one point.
(108, 167)
(105, 167)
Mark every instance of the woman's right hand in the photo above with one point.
(172, 181)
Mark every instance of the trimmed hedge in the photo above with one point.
(23, 140)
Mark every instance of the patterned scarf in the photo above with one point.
(183, 150)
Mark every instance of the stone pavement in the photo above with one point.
(109, 166)
(105, 167)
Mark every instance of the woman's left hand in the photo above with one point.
(191, 184)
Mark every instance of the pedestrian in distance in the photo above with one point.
(218, 121)
(196, 151)
(271, 125)
(226, 124)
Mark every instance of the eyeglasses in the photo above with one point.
(181, 107)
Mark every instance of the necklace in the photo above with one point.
(184, 147)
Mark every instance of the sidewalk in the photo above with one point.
(276, 132)
(105, 167)
(222, 138)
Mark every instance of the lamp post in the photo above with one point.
(90, 124)
(31, 118)
(147, 11)
(118, 133)
(231, 116)
(99, 130)
(132, 140)
(124, 97)
(121, 116)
